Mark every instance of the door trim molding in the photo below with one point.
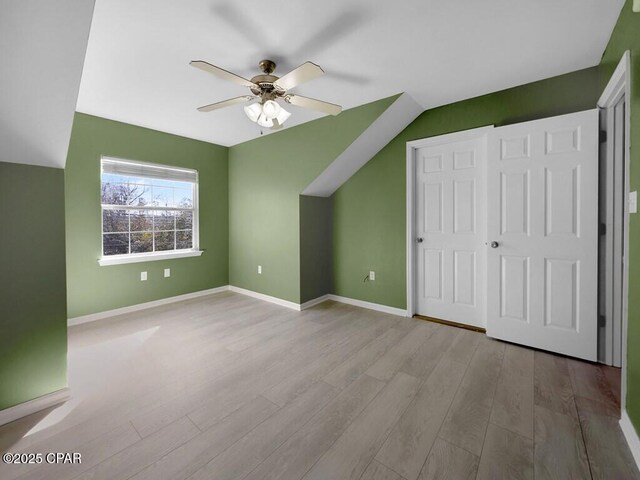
(631, 436)
(620, 83)
(412, 146)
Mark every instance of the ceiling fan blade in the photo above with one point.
(221, 73)
(306, 102)
(305, 72)
(225, 103)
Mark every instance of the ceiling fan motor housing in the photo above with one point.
(265, 87)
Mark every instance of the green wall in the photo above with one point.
(316, 241)
(626, 36)
(33, 299)
(266, 177)
(369, 209)
(92, 288)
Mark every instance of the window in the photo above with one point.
(148, 211)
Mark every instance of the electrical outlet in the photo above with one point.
(143, 276)
(259, 269)
(372, 275)
(167, 272)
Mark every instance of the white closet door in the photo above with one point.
(450, 229)
(542, 229)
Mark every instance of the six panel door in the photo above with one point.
(542, 214)
(450, 221)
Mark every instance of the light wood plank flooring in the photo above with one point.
(227, 387)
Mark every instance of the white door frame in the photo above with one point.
(620, 83)
(412, 147)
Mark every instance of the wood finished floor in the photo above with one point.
(228, 387)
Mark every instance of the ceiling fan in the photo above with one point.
(267, 89)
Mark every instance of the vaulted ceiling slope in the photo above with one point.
(42, 45)
(382, 130)
(437, 51)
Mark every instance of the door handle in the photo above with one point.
(494, 244)
(419, 239)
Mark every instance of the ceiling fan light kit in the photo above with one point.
(264, 121)
(270, 109)
(283, 116)
(253, 111)
(265, 113)
(268, 88)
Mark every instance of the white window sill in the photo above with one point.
(147, 257)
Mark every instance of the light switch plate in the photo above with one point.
(633, 202)
(259, 269)
(143, 276)
(167, 272)
(372, 275)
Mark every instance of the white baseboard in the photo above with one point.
(142, 306)
(371, 306)
(314, 302)
(631, 435)
(32, 406)
(266, 298)
(250, 293)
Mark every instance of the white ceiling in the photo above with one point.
(438, 51)
(42, 47)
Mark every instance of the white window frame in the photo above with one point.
(195, 251)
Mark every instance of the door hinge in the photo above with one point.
(603, 229)
(602, 320)
(603, 136)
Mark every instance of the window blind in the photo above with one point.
(149, 170)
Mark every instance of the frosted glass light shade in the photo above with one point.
(282, 116)
(253, 111)
(265, 122)
(265, 113)
(270, 109)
